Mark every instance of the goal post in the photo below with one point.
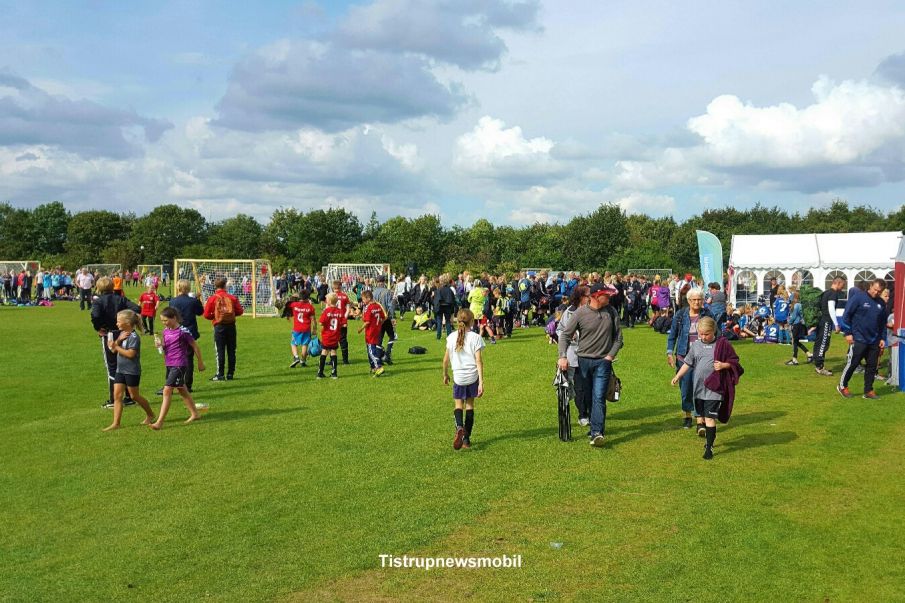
(19, 265)
(339, 272)
(251, 281)
(104, 269)
(150, 269)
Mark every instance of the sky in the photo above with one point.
(516, 111)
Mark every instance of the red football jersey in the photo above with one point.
(373, 317)
(331, 319)
(342, 302)
(148, 302)
(302, 314)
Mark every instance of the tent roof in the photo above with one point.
(832, 251)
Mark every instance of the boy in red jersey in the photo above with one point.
(372, 318)
(303, 329)
(331, 319)
(149, 302)
(346, 309)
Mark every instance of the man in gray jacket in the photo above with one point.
(599, 342)
(386, 299)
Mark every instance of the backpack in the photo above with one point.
(417, 350)
(551, 327)
(224, 314)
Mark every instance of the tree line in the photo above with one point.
(605, 238)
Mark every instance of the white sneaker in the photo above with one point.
(584, 422)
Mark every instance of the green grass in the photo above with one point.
(290, 488)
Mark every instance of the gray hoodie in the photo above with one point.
(600, 333)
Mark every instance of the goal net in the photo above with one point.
(251, 281)
(347, 274)
(150, 270)
(18, 266)
(650, 273)
(104, 269)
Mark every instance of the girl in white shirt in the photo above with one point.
(463, 352)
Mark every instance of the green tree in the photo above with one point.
(48, 224)
(166, 231)
(14, 230)
(402, 241)
(122, 252)
(323, 236)
(591, 240)
(275, 237)
(238, 237)
(90, 232)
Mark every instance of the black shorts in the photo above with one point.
(127, 380)
(175, 376)
(707, 408)
(329, 347)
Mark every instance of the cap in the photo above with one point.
(601, 289)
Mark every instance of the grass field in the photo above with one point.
(290, 488)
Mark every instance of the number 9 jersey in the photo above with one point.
(332, 318)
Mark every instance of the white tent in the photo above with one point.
(810, 259)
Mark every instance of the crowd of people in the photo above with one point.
(24, 287)
(584, 315)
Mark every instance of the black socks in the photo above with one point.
(323, 362)
(469, 422)
(711, 435)
(457, 413)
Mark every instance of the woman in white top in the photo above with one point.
(463, 352)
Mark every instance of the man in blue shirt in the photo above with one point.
(864, 327)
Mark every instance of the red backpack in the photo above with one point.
(224, 313)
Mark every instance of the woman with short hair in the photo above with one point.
(682, 334)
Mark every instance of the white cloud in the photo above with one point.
(495, 152)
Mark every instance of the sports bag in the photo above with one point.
(417, 350)
(314, 347)
(614, 388)
(224, 314)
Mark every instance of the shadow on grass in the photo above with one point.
(231, 415)
(756, 440)
(533, 434)
(753, 417)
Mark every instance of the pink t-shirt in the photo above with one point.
(177, 347)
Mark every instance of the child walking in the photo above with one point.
(303, 329)
(332, 320)
(127, 348)
(372, 318)
(463, 352)
(175, 345)
(149, 301)
(700, 358)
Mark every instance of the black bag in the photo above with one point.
(614, 388)
(417, 350)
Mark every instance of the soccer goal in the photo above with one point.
(346, 272)
(650, 273)
(104, 269)
(18, 266)
(251, 281)
(150, 270)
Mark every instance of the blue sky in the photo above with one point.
(511, 110)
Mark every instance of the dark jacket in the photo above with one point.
(864, 318)
(724, 382)
(105, 308)
(188, 308)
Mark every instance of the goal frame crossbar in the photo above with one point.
(19, 265)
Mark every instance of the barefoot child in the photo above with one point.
(176, 344)
(463, 352)
(700, 359)
(127, 348)
(372, 318)
(332, 319)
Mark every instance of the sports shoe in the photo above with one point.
(229, 377)
(295, 363)
(159, 392)
(388, 361)
(843, 391)
(810, 358)
(686, 424)
(702, 430)
(583, 422)
(859, 369)
(218, 378)
(320, 375)
(824, 372)
(334, 376)
(107, 405)
(378, 372)
(128, 402)
(708, 453)
(466, 443)
(597, 440)
(792, 362)
(460, 437)
(871, 395)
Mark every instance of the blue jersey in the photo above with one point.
(781, 310)
(771, 332)
(762, 312)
